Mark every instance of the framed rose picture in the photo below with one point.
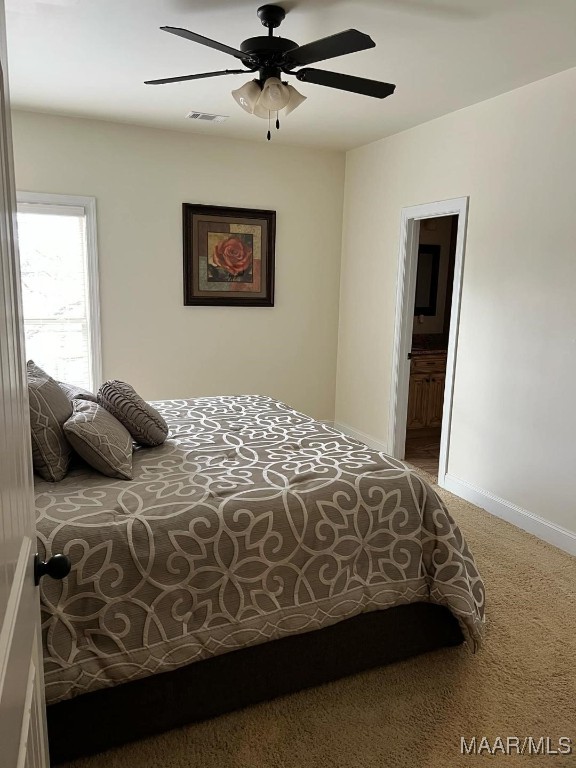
(228, 256)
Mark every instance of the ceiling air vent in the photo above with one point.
(206, 117)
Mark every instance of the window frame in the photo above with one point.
(88, 204)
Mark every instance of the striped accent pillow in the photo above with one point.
(143, 422)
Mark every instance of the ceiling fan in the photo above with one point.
(273, 56)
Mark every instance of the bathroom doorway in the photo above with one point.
(429, 350)
(428, 309)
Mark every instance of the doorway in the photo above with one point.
(427, 316)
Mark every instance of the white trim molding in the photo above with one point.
(363, 437)
(88, 205)
(405, 293)
(544, 529)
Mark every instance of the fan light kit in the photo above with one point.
(266, 95)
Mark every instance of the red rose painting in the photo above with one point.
(232, 255)
(228, 256)
(231, 258)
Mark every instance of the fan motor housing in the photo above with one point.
(266, 46)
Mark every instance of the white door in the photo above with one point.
(23, 742)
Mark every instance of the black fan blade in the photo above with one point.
(340, 44)
(205, 41)
(346, 82)
(195, 77)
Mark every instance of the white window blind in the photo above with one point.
(56, 237)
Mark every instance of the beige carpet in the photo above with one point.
(522, 683)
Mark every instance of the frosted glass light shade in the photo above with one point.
(259, 111)
(262, 101)
(275, 95)
(295, 99)
(247, 95)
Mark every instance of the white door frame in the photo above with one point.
(405, 295)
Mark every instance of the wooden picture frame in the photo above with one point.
(228, 256)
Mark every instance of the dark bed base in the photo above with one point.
(103, 719)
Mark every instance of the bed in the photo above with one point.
(250, 553)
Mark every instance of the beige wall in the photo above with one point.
(140, 178)
(515, 156)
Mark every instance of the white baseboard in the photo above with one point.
(521, 518)
(370, 441)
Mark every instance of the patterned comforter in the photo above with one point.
(250, 523)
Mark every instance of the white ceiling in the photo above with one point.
(90, 58)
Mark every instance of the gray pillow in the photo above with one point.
(49, 409)
(143, 422)
(73, 392)
(100, 439)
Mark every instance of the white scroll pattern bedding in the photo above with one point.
(250, 523)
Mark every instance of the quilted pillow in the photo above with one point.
(143, 422)
(73, 392)
(100, 439)
(49, 409)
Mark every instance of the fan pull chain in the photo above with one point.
(277, 121)
(268, 135)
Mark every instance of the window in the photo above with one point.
(59, 275)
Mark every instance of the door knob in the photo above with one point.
(57, 566)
